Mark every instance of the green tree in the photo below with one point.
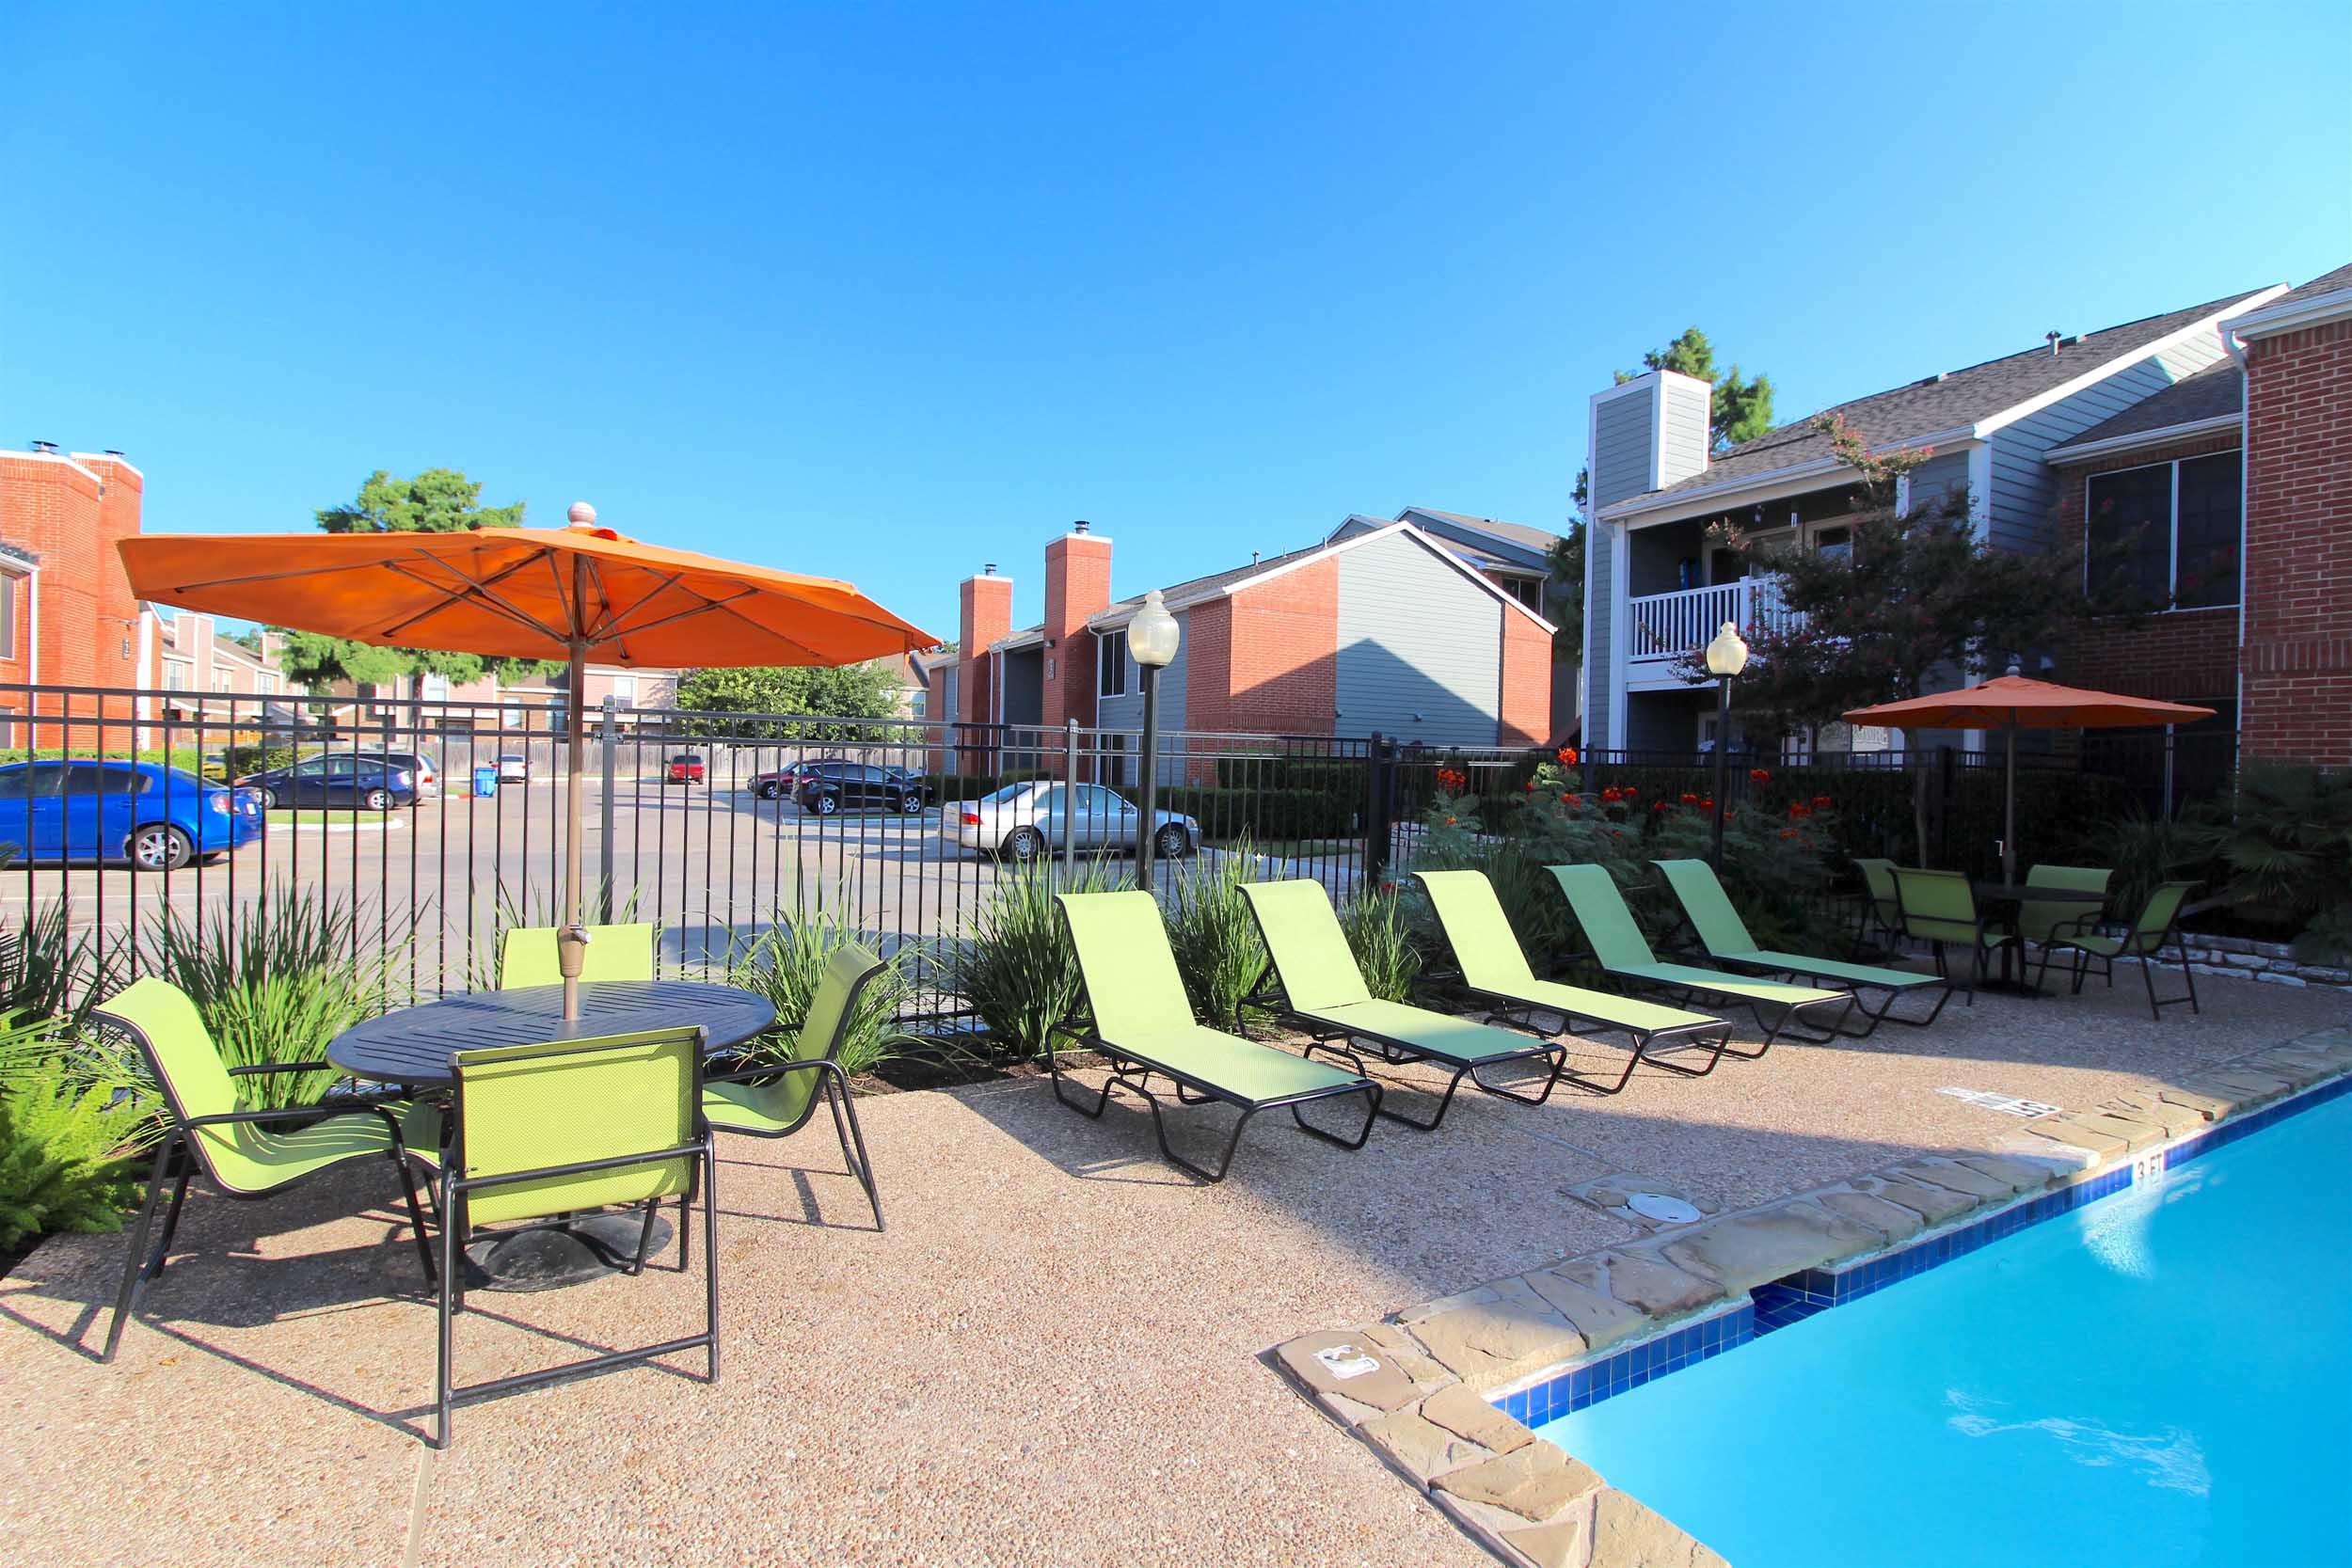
(1564, 593)
(847, 691)
(438, 500)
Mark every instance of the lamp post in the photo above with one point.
(1151, 638)
(1725, 658)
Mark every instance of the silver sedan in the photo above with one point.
(1024, 821)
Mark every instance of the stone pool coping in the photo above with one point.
(1424, 1405)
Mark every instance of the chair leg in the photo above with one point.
(2148, 978)
(415, 1215)
(710, 1248)
(135, 1266)
(645, 1235)
(860, 1164)
(685, 1211)
(2188, 975)
(445, 1355)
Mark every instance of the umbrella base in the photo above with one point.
(549, 1256)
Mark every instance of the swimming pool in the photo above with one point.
(2163, 1377)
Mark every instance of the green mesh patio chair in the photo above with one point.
(1882, 913)
(776, 1100)
(2156, 926)
(1616, 941)
(1724, 936)
(1139, 1019)
(527, 956)
(555, 1130)
(2039, 921)
(1492, 967)
(245, 1155)
(1939, 908)
(1316, 985)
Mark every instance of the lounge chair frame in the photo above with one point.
(1396, 1052)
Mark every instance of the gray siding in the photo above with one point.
(1601, 624)
(1682, 451)
(1419, 647)
(2024, 492)
(1945, 474)
(1622, 436)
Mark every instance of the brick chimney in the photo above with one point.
(984, 614)
(1077, 585)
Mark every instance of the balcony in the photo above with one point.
(1662, 627)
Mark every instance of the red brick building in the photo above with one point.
(2230, 493)
(1382, 627)
(66, 617)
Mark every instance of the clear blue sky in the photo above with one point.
(885, 290)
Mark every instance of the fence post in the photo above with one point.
(611, 747)
(1379, 803)
(1070, 795)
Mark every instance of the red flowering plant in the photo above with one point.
(1776, 863)
(1559, 820)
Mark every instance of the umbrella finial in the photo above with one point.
(582, 513)
(2014, 667)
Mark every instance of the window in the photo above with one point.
(1835, 542)
(175, 676)
(1111, 663)
(918, 703)
(2168, 534)
(84, 778)
(1528, 591)
(265, 683)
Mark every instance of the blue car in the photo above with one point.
(90, 809)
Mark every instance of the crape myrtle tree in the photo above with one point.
(1920, 599)
(438, 500)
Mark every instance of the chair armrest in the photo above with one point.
(581, 1167)
(259, 1068)
(311, 1113)
(773, 1069)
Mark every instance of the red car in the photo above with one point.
(686, 768)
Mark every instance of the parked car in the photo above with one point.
(339, 782)
(428, 773)
(1024, 821)
(829, 786)
(157, 817)
(513, 768)
(777, 783)
(685, 768)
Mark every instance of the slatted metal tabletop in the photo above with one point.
(413, 1045)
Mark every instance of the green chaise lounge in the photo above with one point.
(1725, 937)
(1317, 986)
(1618, 946)
(1140, 1020)
(1494, 968)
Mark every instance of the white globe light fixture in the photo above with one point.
(1725, 658)
(1153, 635)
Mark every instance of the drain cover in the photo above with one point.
(1665, 1210)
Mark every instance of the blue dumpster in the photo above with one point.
(486, 778)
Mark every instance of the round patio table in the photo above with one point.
(2012, 895)
(413, 1047)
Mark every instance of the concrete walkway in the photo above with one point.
(1053, 1355)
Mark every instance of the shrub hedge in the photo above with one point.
(1263, 814)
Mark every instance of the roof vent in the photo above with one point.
(1932, 380)
(2053, 339)
(1080, 526)
(988, 569)
(46, 446)
(1253, 558)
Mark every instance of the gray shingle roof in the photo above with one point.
(1519, 533)
(2216, 390)
(1946, 402)
(2326, 283)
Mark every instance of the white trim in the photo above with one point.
(2133, 440)
(1434, 545)
(1620, 629)
(56, 457)
(2064, 389)
(2272, 320)
(118, 462)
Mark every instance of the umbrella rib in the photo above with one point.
(613, 620)
(708, 605)
(604, 594)
(471, 591)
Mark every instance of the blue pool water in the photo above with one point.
(2164, 1376)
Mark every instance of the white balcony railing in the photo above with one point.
(1664, 626)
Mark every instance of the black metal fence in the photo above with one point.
(436, 825)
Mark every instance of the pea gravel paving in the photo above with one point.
(1055, 1355)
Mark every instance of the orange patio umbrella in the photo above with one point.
(526, 593)
(2010, 703)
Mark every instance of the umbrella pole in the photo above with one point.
(571, 942)
(2009, 813)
